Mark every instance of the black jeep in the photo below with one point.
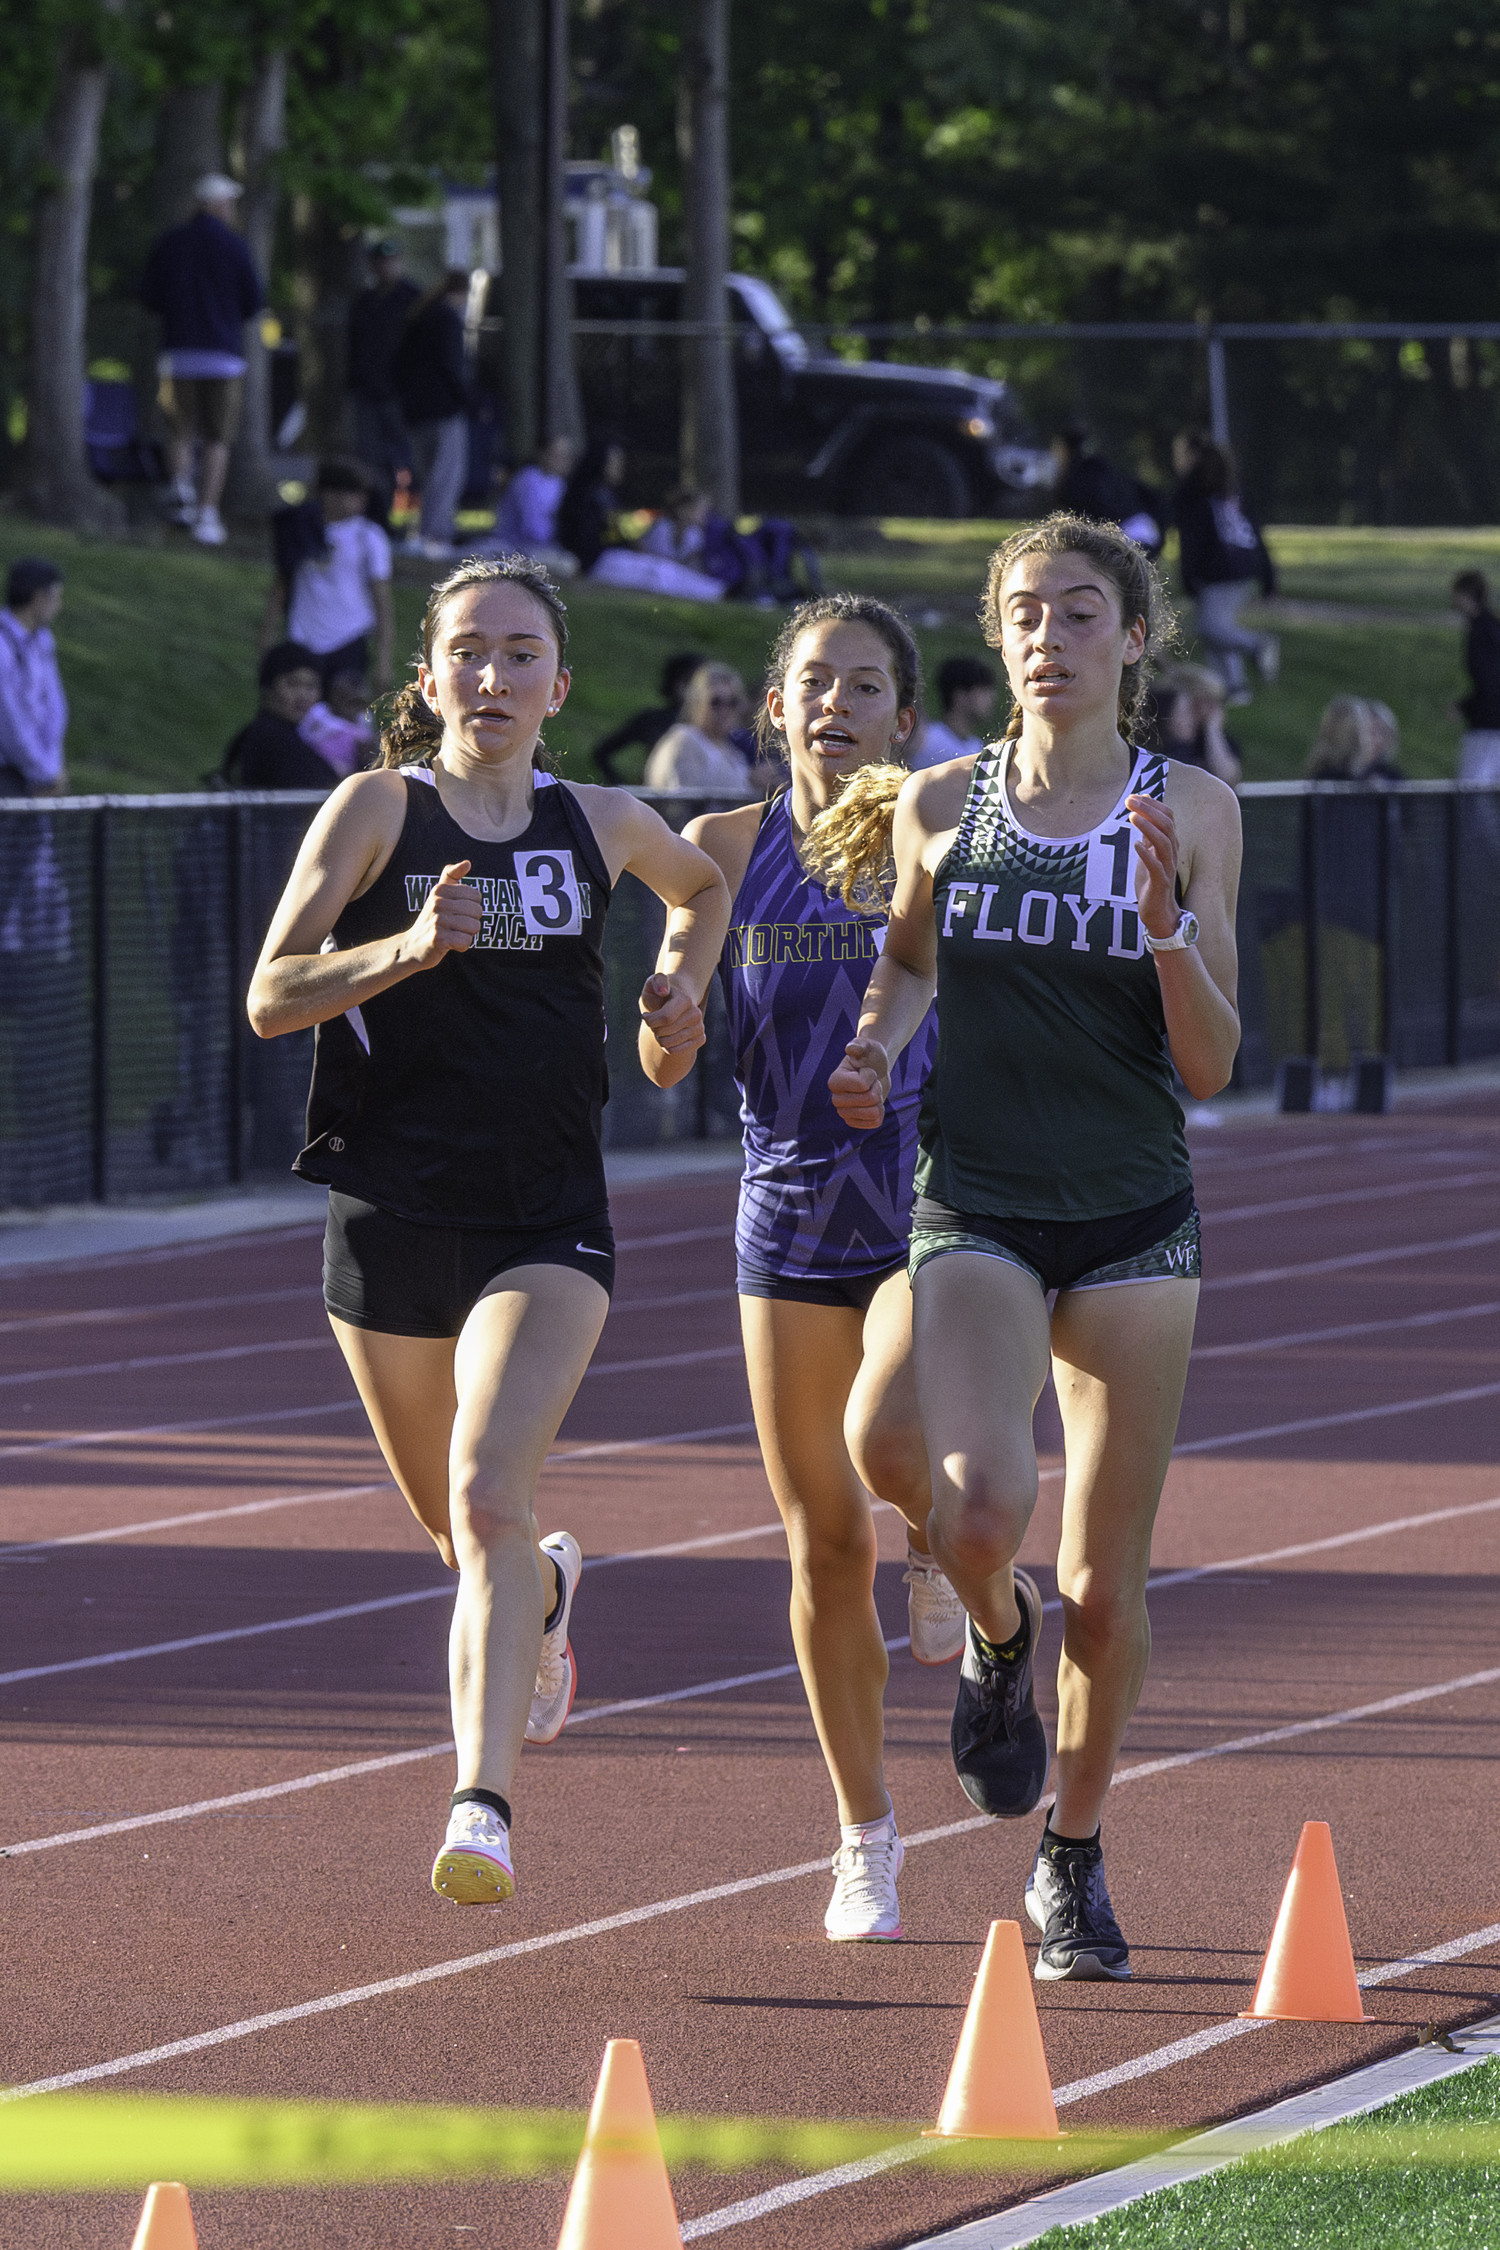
(817, 434)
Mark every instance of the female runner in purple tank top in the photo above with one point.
(442, 929)
(824, 1219)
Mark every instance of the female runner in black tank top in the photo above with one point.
(1034, 885)
(442, 929)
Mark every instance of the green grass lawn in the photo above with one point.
(1421, 2174)
(157, 640)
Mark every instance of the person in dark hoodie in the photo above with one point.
(1479, 751)
(201, 280)
(1223, 555)
(432, 382)
(269, 753)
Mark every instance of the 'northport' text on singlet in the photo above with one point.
(471, 1093)
(1051, 1097)
(817, 1199)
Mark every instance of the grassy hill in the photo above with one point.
(157, 638)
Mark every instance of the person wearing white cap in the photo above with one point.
(201, 279)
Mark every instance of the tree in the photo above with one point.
(252, 472)
(710, 424)
(58, 484)
(529, 75)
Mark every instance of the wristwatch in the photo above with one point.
(1185, 934)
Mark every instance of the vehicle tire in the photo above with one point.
(910, 476)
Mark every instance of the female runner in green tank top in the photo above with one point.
(1072, 899)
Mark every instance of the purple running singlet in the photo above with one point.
(818, 1199)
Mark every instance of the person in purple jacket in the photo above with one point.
(202, 281)
(825, 1214)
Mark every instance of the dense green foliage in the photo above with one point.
(933, 161)
(157, 645)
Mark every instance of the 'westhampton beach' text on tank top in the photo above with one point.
(470, 1094)
(818, 1199)
(1052, 1093)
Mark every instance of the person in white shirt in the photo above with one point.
(33, 707)
(333, 579)
(966, 692)
(697, 753)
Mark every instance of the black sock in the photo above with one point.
(1006, 1652)
(1066, 1843)
(555, 1612)
(490, 1797)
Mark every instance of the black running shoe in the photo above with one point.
(999, 1743)
(1067, 1899)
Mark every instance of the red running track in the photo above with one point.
(185, 1466)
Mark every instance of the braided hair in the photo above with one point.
(1134, 577)
(411, 732)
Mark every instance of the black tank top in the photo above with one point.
(471, 1094)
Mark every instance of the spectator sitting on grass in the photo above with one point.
(699, 752)
(338, 725)
(1189, 701)
(966, 697)
(1479, 751)
(526, 523)
(1357, 740)
(647, 727)
(333, 576)
(269, 753)
(33, 707)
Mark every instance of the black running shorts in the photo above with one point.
(1157, 1244)
(403, 1279)
(854, 1291)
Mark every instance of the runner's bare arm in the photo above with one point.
(636, 840)
(1199, 839)
(902, 983)
(296, 984)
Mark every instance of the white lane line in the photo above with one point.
(669, 1359)
(145, 2058)
(96, 1316)
(1407, 1189)
(1351, 1260)
(1323, 1546)
(79, 1438)
(168, 1359)
(1350, 1328)
(1337, 1421)
(642, 1444)
(199, 1515)
(230, 1633)
(1144, 2066)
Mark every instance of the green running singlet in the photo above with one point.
(1051, 1096)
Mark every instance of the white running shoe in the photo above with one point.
(209, 528)
(473, 1868)
(557, 1674)
(864, 1904)
(937, 1616)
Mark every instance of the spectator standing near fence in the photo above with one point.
(332, 587)
(1088, 485)
(269, 752)
(1188, 705)
(431, 374)
(698, 753)
(1223, 556)
(647, 727)
(966, 694)
(201, 280)
(1479, 751)
(33, 707)
(377, 322)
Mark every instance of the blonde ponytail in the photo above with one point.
(848, 847)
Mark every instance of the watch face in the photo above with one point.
(1187, 929)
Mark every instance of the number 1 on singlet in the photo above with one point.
(1111, 873)
(548, 886)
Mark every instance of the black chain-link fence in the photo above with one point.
(1369, 924)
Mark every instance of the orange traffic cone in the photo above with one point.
(166, 2219)
(621, 2198)
(1308, 1975)
(998, 2088)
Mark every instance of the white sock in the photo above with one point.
(869, 1831)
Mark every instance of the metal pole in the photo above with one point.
(239, 1030)
(561, 407)
(99, 1106)
(1311, 1025)
(1218, 390)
